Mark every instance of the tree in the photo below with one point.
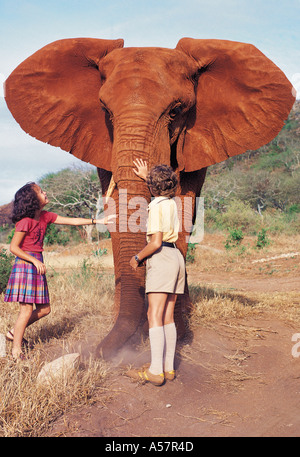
(73, 192)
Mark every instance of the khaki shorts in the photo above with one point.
(165, 271)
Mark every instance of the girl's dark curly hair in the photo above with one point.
(162, 181)
(25, 203)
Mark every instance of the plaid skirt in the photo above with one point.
(25, 285)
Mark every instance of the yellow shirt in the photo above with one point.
(163, 217)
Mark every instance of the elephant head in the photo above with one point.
(188, 107)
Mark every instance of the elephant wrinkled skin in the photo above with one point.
(188, 107)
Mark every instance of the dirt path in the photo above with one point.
(242, 284)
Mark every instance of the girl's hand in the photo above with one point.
(106, 220)
(40, 266)
(142, 168)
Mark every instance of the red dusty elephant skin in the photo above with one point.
(188, 107)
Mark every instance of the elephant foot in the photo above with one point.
(114, 344)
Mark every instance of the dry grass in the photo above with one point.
(27, 409)
(211, 305)
(81, 299)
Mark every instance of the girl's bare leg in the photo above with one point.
(168, 315)
(26, 317)
(156, 307)
(20, 326)
(38, 313)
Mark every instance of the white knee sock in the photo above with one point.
(157, 343)
(170, 346)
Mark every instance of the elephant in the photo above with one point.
(188, 107)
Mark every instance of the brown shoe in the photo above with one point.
(144, 375)
(169, 375)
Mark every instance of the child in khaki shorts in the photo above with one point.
(165, 272)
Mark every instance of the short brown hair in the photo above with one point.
(162, 181)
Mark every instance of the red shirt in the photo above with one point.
(35, 231)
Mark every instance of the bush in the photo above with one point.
(262, 239)
(239, 214)
(234, 239)
(55, 236)
(281, 222)
(295, 208)
(213, 219)
(6, 261)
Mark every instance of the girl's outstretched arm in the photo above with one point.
(60, 220)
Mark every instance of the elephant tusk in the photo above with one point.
(111, 187)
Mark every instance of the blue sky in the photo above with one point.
(27, 25)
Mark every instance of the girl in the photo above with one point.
(27, 283)
(165, 272)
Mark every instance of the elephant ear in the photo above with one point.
(54, 96)
(242, 101)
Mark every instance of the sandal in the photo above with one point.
(146, 376)
(21, 357)
(11, 338)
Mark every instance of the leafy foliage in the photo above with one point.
(6, 261)
(54, 235)
(234, 239)
(262, 239)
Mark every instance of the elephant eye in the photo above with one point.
(175, 111)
